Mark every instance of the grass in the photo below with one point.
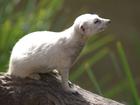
(118, 88)
(22, 17)
(92, 78)
(15, 24)
(92, 60)
(128, 80)
(128, 74)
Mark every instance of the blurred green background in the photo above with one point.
(109, 64)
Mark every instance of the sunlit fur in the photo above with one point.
(44, 51)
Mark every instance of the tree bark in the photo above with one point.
(46, 91)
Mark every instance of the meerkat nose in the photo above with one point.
(108, 21)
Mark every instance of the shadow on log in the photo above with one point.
(47, 91)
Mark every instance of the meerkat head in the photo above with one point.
(89, 24)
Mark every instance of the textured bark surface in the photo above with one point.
(47, 91)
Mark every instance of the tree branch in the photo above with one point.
(47, 91)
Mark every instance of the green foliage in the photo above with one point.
(35, 15)
(128, 74)
(127, 80)
(19, 17)
(127, 83)
(93, 78)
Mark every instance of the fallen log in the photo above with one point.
(47, 91)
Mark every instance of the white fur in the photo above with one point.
(44, 51)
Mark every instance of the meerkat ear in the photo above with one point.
(83, 28)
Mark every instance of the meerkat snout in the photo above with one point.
(109, 21)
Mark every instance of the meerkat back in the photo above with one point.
(27, 51)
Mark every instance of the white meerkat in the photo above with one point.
(44, 51)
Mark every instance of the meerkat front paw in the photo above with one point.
(72, 90)
(71, 85)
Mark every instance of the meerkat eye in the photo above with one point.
(97, 21)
